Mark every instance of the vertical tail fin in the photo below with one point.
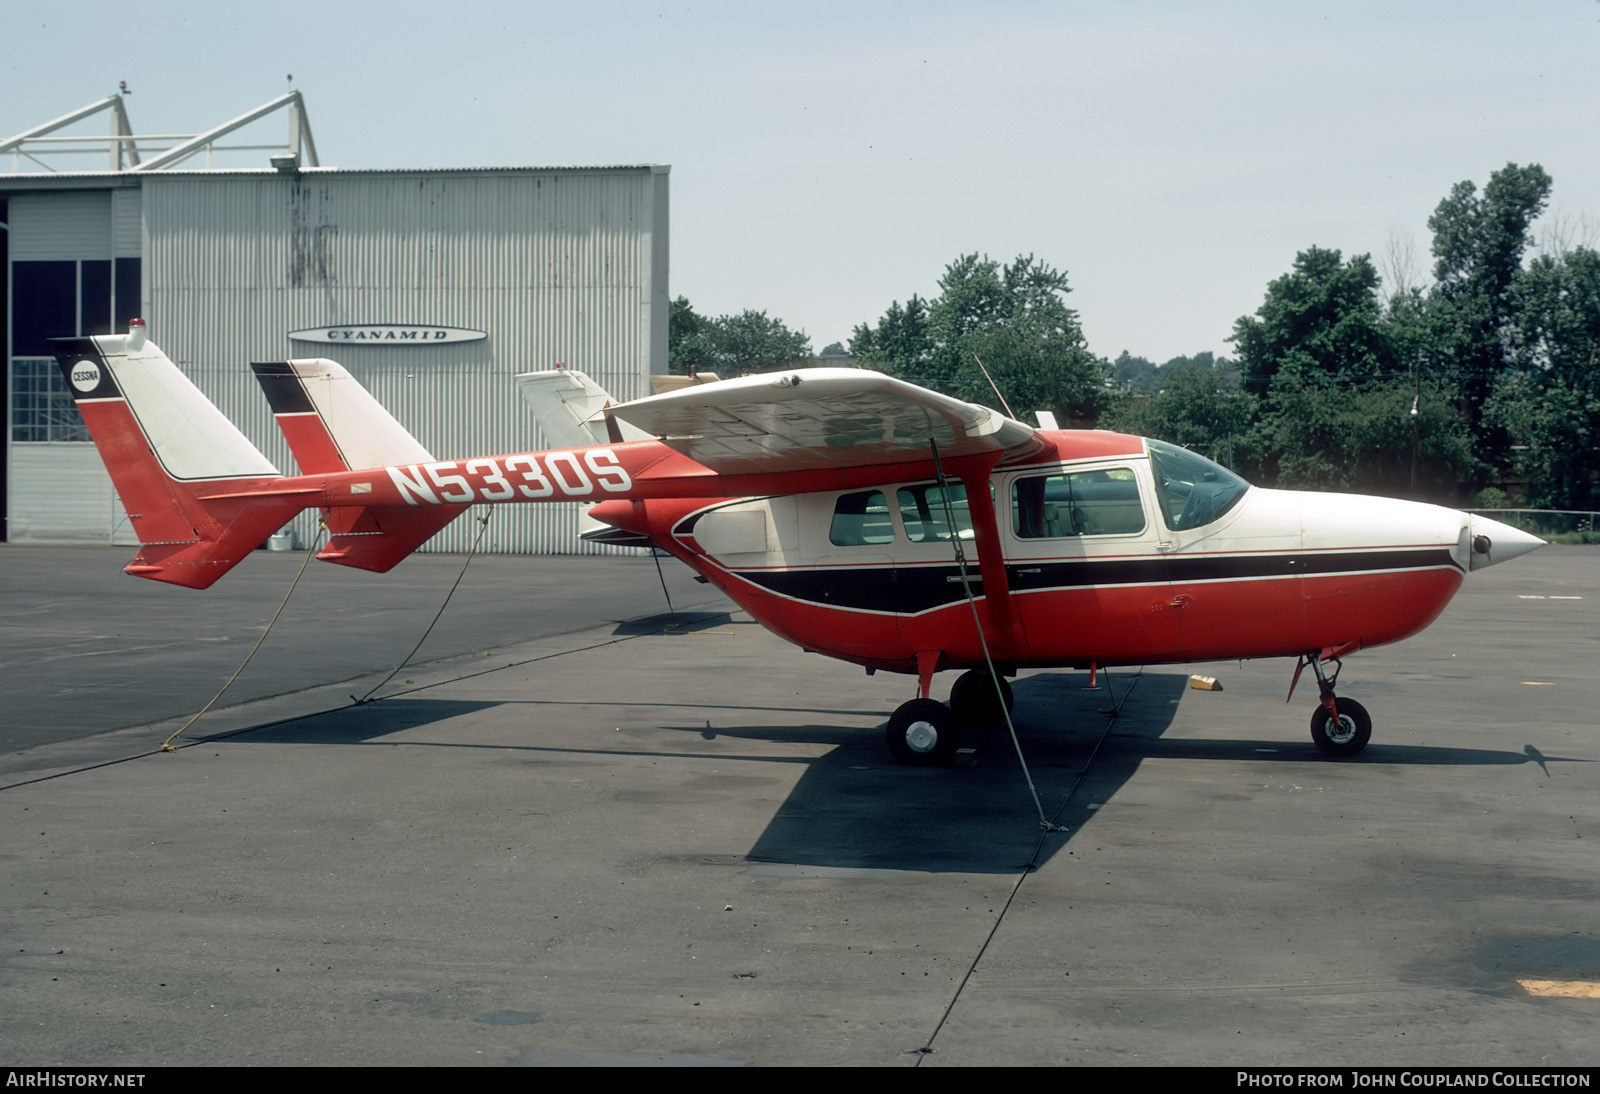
(332, 423)
(172, 456)
(571, 409)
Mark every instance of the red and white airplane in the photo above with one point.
(836, 506)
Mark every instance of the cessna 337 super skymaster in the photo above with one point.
(833, 505)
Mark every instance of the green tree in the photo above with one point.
(1558, 425)
(1548, 402)
(1130, 373)
(1336, 369)
(1327, 435)
(731, 345)
(902, 342)
(1479, 241)
(1197, 407)
(1012, 318)
(1320, 319)
(753, 342)
(685, 327)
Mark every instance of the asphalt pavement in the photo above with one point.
(583, 830)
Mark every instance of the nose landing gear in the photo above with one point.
(1339, 727)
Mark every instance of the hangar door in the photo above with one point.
(73, 269)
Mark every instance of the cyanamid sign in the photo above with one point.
(387, 334)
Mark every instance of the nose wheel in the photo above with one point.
(1344, 735)
(1339, 727)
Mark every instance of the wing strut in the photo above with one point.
(990, 558)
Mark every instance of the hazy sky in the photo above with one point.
(828, 158)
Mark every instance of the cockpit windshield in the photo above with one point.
(1192, 490)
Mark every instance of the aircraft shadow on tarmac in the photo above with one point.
(855, 809)
(366, 723)
(671, 623)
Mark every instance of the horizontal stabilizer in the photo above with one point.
(379, 537)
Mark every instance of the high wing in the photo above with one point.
(823, 418)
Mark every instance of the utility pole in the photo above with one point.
(1416, 431)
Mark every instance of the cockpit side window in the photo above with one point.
(925, 516)
(1191, 490)
(861, 518)
(1103, 502)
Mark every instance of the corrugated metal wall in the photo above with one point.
(127, 222)
(556, 265)
(60, 493)
(61, 226)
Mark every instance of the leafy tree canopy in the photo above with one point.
(1479, 241)
(1321, 319)
(1198, 407)
(731, 345)
(1011, 320)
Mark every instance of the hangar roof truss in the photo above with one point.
(161, 151)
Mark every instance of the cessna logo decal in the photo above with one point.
(86, 376)
(521, 477)
(387, 334)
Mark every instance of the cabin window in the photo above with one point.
(860, 519)
(1079, 503)
(1192, 490)
(926, 516)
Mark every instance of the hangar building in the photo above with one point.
(433, 287)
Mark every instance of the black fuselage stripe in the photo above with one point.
(908, 590)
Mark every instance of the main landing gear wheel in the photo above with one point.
(973, 700)
(923, 733)
(1345, 735)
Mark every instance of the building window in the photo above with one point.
(41, 406)
(60, 300)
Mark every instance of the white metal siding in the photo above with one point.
(59, 226)
(127, 214)
(59, 493)
(557, 266)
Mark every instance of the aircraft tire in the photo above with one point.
(973, 701)
(1346, 737)
(922, 733)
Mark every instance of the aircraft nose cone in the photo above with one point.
(1491, 542)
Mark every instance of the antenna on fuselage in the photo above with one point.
(996, 387)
